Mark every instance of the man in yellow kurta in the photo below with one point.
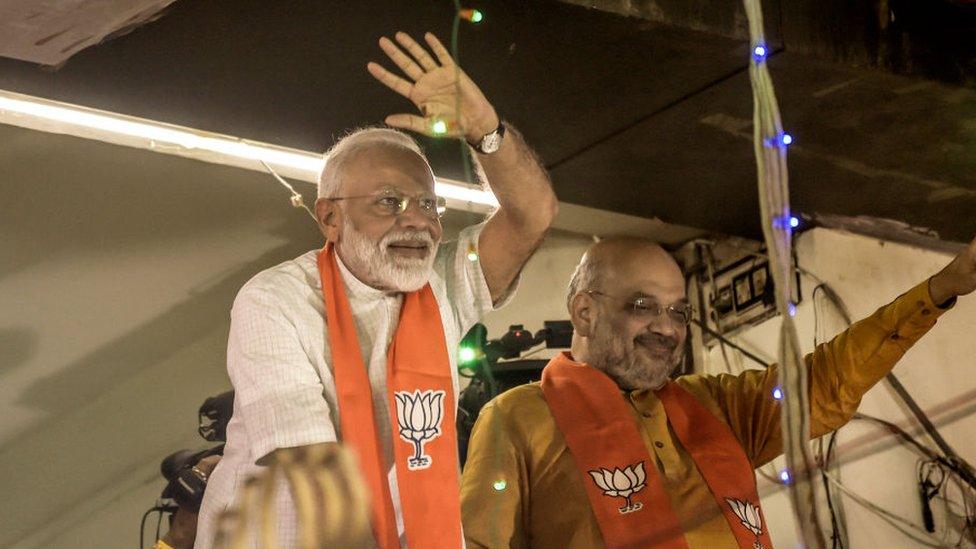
(523, 485)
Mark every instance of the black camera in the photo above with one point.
(186, 484)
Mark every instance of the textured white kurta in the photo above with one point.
(279, 362)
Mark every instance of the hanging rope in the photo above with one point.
(770, 143)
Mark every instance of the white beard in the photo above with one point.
(373, 259)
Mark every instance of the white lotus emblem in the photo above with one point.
(622, 484)
(750, 516)
(419, 417)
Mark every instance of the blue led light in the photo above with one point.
(794, 222)
(791, 309)
(782, 140)
(785, 476)
(777, 393)
(759, 53)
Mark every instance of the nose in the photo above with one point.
(662, 324)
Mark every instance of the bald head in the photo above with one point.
(624, 257)
(629, 309)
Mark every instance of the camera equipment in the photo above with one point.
(214, 415)
(185, 483)
(489, 377)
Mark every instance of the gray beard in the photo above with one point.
(609, 354)
(383, 271)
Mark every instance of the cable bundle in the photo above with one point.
(769, 143)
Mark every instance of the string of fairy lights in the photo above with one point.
(770, 143)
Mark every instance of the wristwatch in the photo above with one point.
(491, 141)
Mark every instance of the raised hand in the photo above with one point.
(957, 278)
(438, 87)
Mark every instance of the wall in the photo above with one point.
(938, 372)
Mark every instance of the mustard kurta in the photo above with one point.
(522, 488)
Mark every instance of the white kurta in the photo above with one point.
(279, 362)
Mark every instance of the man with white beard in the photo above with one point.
(356, 342)
(606, 451)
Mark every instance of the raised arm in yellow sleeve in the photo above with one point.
(841, 372)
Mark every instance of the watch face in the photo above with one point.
(490, 143)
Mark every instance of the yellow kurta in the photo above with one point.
(522, 488)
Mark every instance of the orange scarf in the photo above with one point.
(617, 468)
(420, 391)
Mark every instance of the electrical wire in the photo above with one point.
(455, 53)
(296, 198)
(774, 205)
(726, 341)
(709, 258)
(835, 505)
(838, 532)
(159, 523)
(904, 526)
(142, 528)
(142, 523)
(754, 253)
(968, 495)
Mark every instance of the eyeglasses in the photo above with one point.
(391, 203)
(645, 307)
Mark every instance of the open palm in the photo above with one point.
(450, 103)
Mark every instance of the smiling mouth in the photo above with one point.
(656, 349)
(411, 249)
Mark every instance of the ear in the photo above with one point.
(329, 215)
(582, 314)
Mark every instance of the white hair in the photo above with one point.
(355, 142)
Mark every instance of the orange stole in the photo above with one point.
(421, 398)
(619, 474)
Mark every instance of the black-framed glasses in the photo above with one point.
(391, 203)
(645, 307)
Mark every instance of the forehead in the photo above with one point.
(378, 167)
(649, 274)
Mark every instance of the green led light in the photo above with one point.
(467, 354)
(476, 16)
(499, 485)
(439, 127)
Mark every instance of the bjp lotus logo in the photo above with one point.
(622, 484)
(419, 417)
(750, 517)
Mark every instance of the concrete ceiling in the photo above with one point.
(630, 114)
